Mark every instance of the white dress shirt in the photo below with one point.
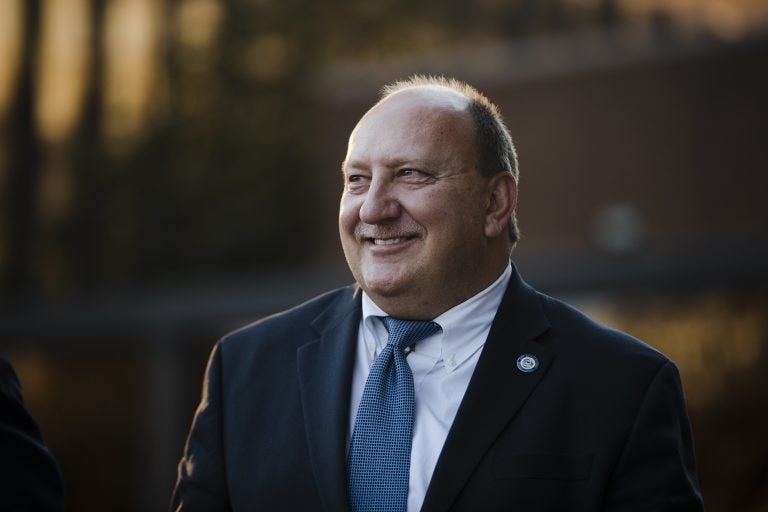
(442, 366)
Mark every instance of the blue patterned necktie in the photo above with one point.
(380, 451)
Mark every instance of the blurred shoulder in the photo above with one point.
(9, 382)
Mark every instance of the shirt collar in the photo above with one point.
(464, 327)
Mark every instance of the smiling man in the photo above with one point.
(422, 224)
(441, 380)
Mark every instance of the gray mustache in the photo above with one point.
(363, 231)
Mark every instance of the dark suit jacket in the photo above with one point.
(600, 425)
(29, 477)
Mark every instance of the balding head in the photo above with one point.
(422, 227)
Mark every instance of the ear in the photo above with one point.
(502, 202)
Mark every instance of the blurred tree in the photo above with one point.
(193, 151)
(19, 201)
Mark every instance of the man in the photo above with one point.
(29, 476)
(507, 399)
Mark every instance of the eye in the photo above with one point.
(412, 174)
(356, 182)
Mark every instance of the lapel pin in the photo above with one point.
(527, 363)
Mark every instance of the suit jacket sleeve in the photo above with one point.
(656, 471)
(201, 484)
(29, 476)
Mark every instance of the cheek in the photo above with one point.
(348, 215)
(456, 218)
(444, 211)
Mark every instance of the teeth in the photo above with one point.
(387, 241)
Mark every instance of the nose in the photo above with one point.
(380, 203)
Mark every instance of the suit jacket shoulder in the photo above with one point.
(597, 423)
(271, 421)
(574, 334)
(286, 330)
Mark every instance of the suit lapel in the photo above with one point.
(325, 373)
(483, 415)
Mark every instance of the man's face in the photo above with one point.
(412, 213)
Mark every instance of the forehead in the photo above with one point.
(427, 121)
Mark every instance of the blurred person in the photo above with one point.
(440, 380)
(29, 476)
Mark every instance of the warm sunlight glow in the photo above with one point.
(727, 19)
(197, 22)
(131, 46)
(10, 51)
(709, 336)
(63, 66)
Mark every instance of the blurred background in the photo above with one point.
(169, 170)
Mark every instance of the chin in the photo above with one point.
(390, 286)
(385, 290)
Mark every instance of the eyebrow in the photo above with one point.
(353, 164)
(392, 163)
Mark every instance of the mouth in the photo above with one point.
(389, 241)
(386, 239)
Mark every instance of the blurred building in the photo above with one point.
(169, 171)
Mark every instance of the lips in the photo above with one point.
(387, 235)
(389, 241)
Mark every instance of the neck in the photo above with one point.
(420, 304)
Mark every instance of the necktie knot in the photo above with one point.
(403, 333)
